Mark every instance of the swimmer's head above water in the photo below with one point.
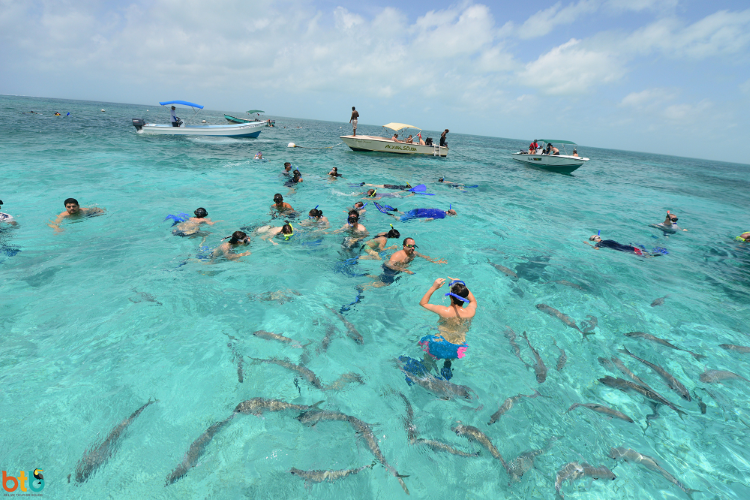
(278, 199)
(372, 192)
(315, 213)
(287, 230)
(72, 206)
(393, 233)
(353, 218)
(238, 237)
(595, 237)
(200, 213)
(359, 205)
(458, 293)
(409, 246)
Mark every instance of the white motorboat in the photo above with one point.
(251, 129)
(388, 145)
(562, 162)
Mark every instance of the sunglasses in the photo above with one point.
(410, 246)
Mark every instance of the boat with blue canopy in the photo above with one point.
(179, 127)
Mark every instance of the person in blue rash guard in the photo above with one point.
(454, 323)
(600, 243)
(426, 213)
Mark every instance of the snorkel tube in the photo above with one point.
(451, 294)
(287, 236)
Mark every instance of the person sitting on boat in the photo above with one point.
(395, 138)
(409, 140)
(419, 137)
(173, 118)
(533, 147)
(575, 153)
(554, 150)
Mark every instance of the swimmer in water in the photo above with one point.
(296, 179)
(191, 227)
(372, 194)
(744, 237)
(359, 207)
(378, 244)
(402, 187)
(268, 233)
(427, 214)
(600, 243)
(454, 323)
(357, 232)
(669, 226)
(7, 218)
(398, 262)
(316, 218)
(287, 169)
(73, 211)
(280, 205)
(229, 248)
(334, 173)
(258, 155)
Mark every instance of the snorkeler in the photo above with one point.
(402, 187)
(356, 230)
(296, 179)
(335, 173)
(600, 243)
(191, 227)
(316, 217)
(378, 244)
(280, 205)
(73, 211)
(259, 155)
(359, 207)
(669, 226)
(269, 232)
(7, 218)
(744, 237)
(398, 262)
(228, 248)
(372, 194)
(287, 169)
(454, 323)
(425, 213)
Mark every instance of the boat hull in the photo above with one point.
(556, 163)
(384, 145)
(242, 130)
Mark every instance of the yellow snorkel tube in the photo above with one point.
(287, 236)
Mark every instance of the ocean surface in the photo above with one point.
(114, 311)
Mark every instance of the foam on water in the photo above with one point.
(115, 310)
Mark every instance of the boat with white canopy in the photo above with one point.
(546, 158)
(251, 129)
(388, 145)
(235, 119)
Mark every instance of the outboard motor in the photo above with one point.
(138, 123)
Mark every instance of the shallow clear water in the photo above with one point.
(106, 314)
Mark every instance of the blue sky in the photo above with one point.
(664, 76)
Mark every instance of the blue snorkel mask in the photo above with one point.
(455, 282)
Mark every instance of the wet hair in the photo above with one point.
(236, 237)
(278, 198)
(200, 212)
(316, 213)
(393, 233)
(360, 204)
(287, 228)
(71, 200)
(460, 290)
(407, 239)
(287, 164)
(371, 192)
(1, 202)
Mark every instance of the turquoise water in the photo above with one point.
(102, 317)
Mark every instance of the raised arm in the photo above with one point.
(425, 302)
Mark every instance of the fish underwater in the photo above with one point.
(318, 476)
(503, 269)
(539, 368)
(196, 450)
(737, 348)
(508, 404)
(671, 381)
(525, 461)
(144, 296)
(574, 470)
(562, 359)
(603, 410)
(511, 335)
(352, 332)
(306, 373)
(280, 296)
(648, 336)
(716, 376)
(632, 456)
(94, 458)
(626, 385)
(562, 317)
(257, 406)
(278, 337)
(471, 432)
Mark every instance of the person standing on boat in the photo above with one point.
(442, 138)
(353, 121)
(174, 119)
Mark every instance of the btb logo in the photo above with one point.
(35, 478)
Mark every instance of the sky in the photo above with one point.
(660, 76)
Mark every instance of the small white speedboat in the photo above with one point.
(562, 162)
(252, 129)
(388, 145)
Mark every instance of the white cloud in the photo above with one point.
(544, 21)
(571, 69)
(641, 5)
(647, 98)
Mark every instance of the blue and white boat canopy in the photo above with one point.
(191, 104)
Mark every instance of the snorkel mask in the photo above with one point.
(374, 192)
(287, 236)
(457, 297)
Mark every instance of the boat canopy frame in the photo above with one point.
(195, 107)
(553, 141)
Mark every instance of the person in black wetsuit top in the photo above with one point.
(600, 243)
